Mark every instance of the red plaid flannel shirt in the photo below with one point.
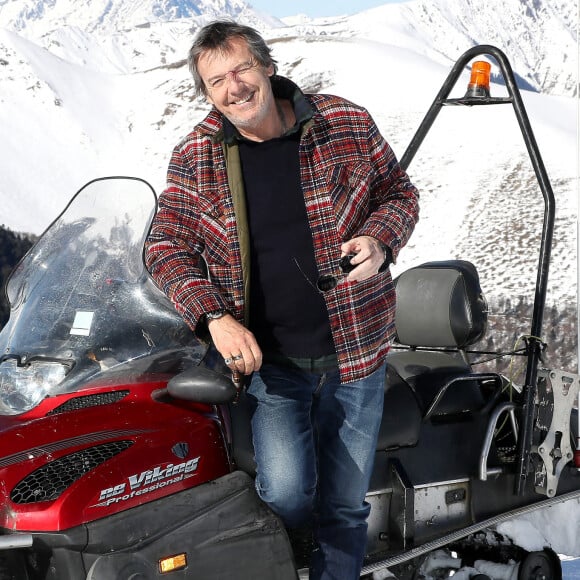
(352, 185)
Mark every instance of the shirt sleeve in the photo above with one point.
(394, 199)
(175, 245)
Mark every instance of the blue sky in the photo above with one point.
(315, 8)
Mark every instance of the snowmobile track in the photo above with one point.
(464, 532)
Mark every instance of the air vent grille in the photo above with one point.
(89, 401)
(49, 481)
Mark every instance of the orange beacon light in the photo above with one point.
(479, 82)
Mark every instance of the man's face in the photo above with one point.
(238, 86)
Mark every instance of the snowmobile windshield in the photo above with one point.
(82, 303)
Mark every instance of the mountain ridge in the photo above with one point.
(36, 17)
(539, 35)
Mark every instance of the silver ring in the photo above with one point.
(238, 357)
(228, 360)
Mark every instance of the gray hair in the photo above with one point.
(217, 36)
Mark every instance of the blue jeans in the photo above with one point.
(314, 440)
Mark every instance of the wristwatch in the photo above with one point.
(215, 314)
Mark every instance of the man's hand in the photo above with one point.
(369, 257)
(236, 344)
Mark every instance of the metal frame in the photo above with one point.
(534, 343)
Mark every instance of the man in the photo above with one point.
(271, 189)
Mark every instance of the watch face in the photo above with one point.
(215, 314)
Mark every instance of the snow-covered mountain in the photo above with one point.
(540, 36)
(120, 35)
(85, 94)
(36, 17)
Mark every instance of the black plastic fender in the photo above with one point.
(223, 527)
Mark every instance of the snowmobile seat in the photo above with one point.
(440, 311)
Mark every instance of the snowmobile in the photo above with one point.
(126, 449)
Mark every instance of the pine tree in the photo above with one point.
(12, 247)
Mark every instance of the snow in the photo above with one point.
(557, 527)
(552, 527)
(75, 105)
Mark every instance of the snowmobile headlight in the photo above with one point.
(23, 386)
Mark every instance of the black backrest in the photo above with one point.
(440, 304)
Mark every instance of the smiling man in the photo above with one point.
(272, 189)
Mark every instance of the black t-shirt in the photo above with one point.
(287, 313)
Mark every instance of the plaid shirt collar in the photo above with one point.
(282, 88)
